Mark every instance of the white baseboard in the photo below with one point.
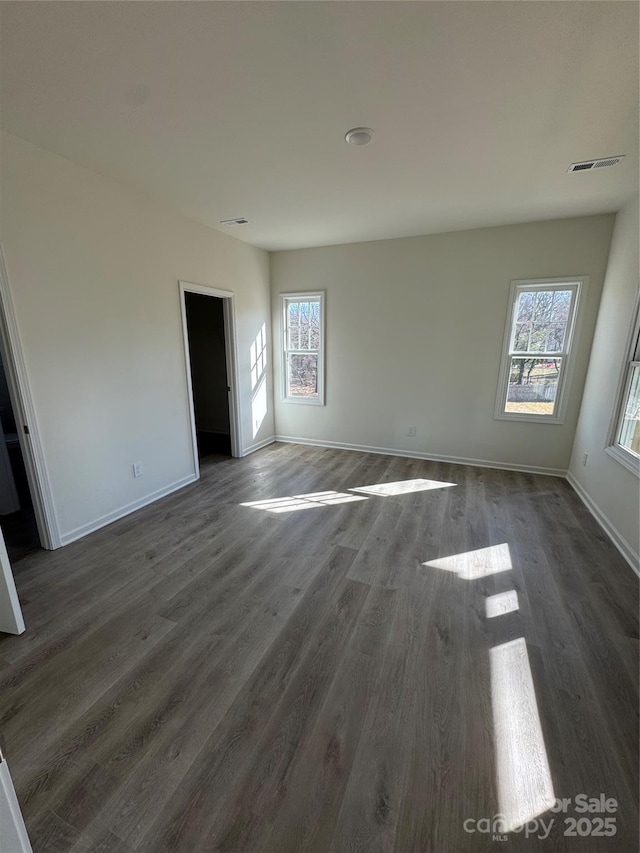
(85, 529)
(258, 445)
(609, 528)
(432, 457)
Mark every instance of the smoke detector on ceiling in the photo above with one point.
(231, 223)
(359, 136)
(588, 165)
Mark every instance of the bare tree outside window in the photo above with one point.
(541, 320)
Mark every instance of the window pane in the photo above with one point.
(544, 305)
(555, 337)
(561, 305)
(541, 321)
(526, 302)
(630, 426)
(533, 384)
(293, 325)
(303, 326)
(546, 337)
(538, 337)
(521, 337)
(302, 375)
(314, 325)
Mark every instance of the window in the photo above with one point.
(303, 341)
(625, 437)
(537, 347)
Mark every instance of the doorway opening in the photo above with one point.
(209, 351)
(17, 515)
(27, 514)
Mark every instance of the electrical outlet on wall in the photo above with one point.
(411, 431)
(137, 469)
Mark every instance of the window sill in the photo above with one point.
(523, 418)
(302, 401)
(628, 460)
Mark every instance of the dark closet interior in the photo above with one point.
(208, 363)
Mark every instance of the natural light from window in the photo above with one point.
(259, 406)
(629, 432)
(624, 434)
(479, 563)
(303, 345)
(525, 788)
(501, 603)
(258, 356)
(258, 363)
(537, 346)
(402, 487)
(540, 327)
(314, 500)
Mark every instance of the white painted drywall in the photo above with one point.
(613, 489)
(94, 270)
(414, 336)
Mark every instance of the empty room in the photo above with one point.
(319, 480)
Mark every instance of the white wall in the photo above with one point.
(414, 337)
(612, 489)
(94, 270)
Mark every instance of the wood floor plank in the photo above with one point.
(318, 773)
(432, 812)
(170, 735)
(370, 810)
(325, 615)
(140, 699)
(77, 678)
(209, 675)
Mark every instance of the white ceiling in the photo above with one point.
(228, 109)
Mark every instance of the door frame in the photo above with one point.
(11, 618)
(24, 412)
(15, 831)
(230, 338)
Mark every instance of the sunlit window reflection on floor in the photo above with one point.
(525, 789)
(402, 487)
(476, 564)
(314, 500)
(501, 603)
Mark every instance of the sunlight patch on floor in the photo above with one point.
(314, 500)
(402, 487)
(475, 564)
(501, 603)
(525, 789)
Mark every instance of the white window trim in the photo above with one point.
(613, 449)
(302, 295)
(580, 285)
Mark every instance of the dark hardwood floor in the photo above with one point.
(373, 670)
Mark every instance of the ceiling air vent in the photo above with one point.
(587, 165)
(231, 223)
